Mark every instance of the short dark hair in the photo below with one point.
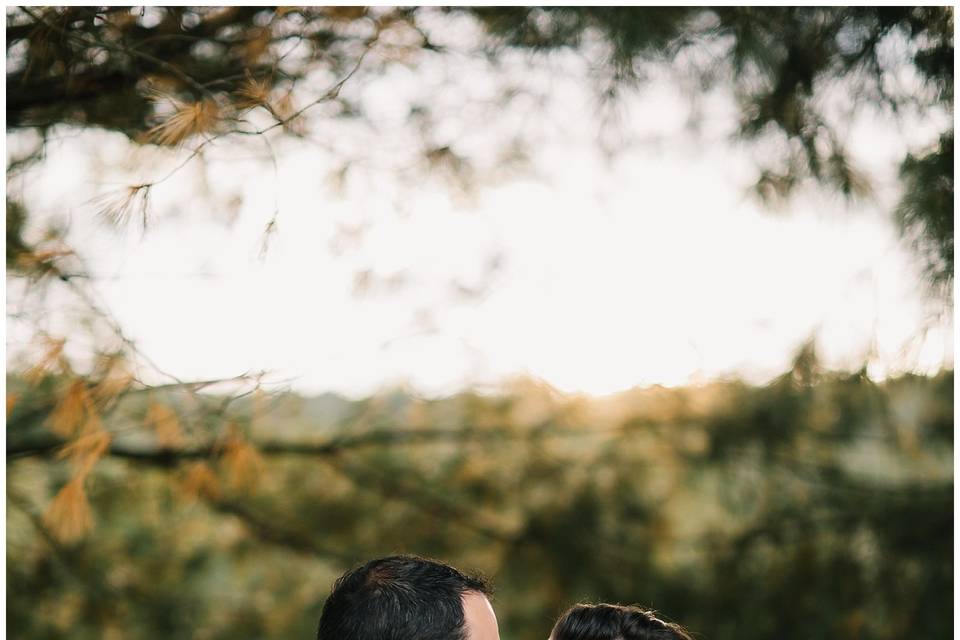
(399, 597)
(614, 622)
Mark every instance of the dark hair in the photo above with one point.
(398, 598)
(614, 622)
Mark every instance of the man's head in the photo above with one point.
(407, 598)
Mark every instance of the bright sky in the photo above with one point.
(654, 267)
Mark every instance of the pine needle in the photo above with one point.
(242, 462)
(283, 108)
(85, 451)
(69, 516)
(200, 482)
(188, 119)
(115, 381)
(165, 425)
(70, 414)
(51, 357)
(259, 93)
(253, 93)
(118, 207)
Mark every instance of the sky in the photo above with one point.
(594, 273)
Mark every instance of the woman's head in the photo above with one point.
(614, 622)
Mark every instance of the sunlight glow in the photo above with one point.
(595, 275)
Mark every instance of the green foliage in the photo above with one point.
(925, 212)
(819, 506)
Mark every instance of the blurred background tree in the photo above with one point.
(174, 75)
(819, 505)
(807, 508)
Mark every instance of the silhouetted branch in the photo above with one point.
(47, 444)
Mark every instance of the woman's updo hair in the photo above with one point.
(614, 622)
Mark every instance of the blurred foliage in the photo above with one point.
(925, 212)
(798, 73)
(818, 506)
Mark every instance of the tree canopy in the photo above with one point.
(169, 75)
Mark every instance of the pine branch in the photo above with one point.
(46, 445)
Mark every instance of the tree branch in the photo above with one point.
(47, 445)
